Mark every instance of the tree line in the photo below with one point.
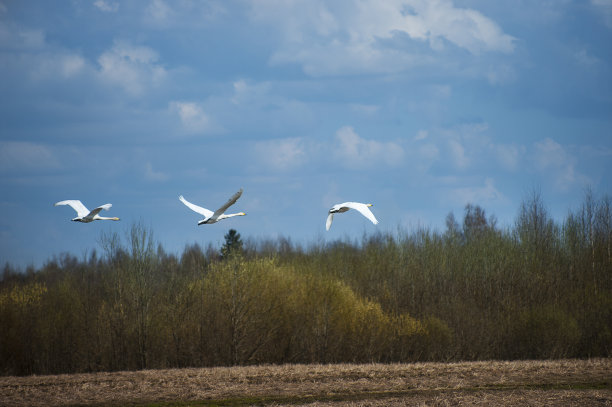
(474, 291)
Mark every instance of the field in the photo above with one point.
(553, 382)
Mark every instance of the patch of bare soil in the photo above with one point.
(535, 383)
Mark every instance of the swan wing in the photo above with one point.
(97, 210)
(363, 209)
(202, 211)
(329, 220)
(77, 205)
(229, 203)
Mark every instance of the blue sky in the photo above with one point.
(418, 107)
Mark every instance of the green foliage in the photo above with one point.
(535, 290)
(545, 332)
(232, 245)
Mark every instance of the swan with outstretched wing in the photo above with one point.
(214, 217)
(84, 215)
(362, 208)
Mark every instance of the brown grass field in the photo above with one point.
(533, 383)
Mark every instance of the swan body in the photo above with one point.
(84, 215)
(362, 208)
(214, 217)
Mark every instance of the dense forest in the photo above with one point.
(535, 289)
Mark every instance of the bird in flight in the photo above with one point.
(84, 215)
(216, 216)
(362, 208)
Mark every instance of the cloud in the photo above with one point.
(357, 152)
(71, 65)
(261, 105)
(246, 93)
(477, 194)
(508, 155)
(550, 154)
(364, 109)
(501, 75)
(153, 175)
(58, 65)
(605, 7)
(19, 38)
(107, 6)
(164, 14)
(352, 36)
(421, 135)
(282, 154)
(158, 11)
(193, 117)
(428, 154)
(17, 156)
(457, 152)
(132, 67)
(29, 56)
(465, 28)
(551, 158)
(584, 59)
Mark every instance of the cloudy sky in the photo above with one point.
(416, 106)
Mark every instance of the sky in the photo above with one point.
(418, 107)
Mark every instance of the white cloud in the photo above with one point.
(357, 152)
(260, 104)
(27, 52)
(501, 75)
(345, 36)
(20, 38)
(550, 154)
(282, 154)
(428, 154)
(71, 65)
(477, 194)
(421, 135)
(132, 67)
(193, 117)
(246, 93)
(158, 11)
(551, 158)
(365, 109)
(164, 14)
(458, 155)
(17, 156)
(508, 155)
(58, 65)
(153, 175)
(107, 6)
(461, 147)
(583, 58)
(605, 7)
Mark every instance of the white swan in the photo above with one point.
(343, 207)
(214, 217)
(84, 215)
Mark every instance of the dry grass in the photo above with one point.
(559, 382)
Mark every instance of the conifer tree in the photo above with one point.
(233, 243)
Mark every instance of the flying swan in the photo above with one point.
(343, 207)
(84, 215)
(216, 216)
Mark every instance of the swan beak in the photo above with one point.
(115, 218)
(242, 214)
(369, 205)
